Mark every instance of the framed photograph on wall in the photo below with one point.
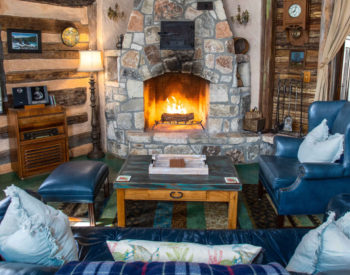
(297, 59)
(23, 41)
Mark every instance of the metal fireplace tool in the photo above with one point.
(287, 90)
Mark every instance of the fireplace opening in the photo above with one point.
(176, 102)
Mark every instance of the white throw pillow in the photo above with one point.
(318, 146)
(324, 249)
(304, 258)
(334, 250)
(148, 251)
(320, 132)
(344, 224)
(32, 232)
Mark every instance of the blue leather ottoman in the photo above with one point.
(76, 182)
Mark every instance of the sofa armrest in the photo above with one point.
(287, 146)
(12, 268)
(321, 170)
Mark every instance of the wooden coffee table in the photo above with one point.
(205, 188)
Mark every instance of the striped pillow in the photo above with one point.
(167, 268)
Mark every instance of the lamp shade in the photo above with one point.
(90, 61)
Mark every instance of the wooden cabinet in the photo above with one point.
(38, 139)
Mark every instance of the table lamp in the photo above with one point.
(91, 61)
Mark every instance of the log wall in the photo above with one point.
(281, 60)
(55, 67)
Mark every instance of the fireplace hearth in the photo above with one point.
(175, 101)
(184, 101)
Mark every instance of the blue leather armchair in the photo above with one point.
(305, 188)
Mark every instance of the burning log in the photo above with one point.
(177, 117)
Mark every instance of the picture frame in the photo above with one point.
(23, 41)
(297, 58)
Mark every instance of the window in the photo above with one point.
(345, 80)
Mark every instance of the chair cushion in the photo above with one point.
(277, 171)
(75, 181)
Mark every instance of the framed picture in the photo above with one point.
(297, 59)
(23, 41)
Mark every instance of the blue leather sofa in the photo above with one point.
(305, 188)
(278, 244)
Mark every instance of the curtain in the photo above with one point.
(339, 29)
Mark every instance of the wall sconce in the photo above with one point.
(241, 18)
(115, 14)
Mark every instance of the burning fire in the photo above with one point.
(175, 106)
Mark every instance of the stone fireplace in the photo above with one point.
(202, 80)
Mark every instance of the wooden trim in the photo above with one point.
(268, 62)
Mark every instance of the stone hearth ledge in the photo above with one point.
(242, 147)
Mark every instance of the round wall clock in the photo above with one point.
(294, 10)
(70, 36)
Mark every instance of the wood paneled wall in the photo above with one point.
(55, 67)
(281, 60)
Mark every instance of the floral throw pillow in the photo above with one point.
(153, 251)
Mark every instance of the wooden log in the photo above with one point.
(52, 46)
(166, 117)
(43, 24)
(64, 3)
(72, 54)
(3, 94)
(4, 132)
(5, 157)
(76, 119)
(70, 97)
(78, 140)
(43, 75)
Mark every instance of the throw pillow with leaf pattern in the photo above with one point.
(153, 251)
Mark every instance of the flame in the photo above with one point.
(175, 106)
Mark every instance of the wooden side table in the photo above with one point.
(38, 139)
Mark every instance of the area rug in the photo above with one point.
(263, 215)
(191, 215)
(252, 213)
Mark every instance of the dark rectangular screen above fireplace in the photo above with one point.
(177, 35)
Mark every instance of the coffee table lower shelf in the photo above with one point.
(178, 195)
